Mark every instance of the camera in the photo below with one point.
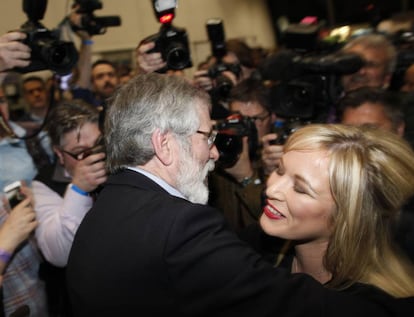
(304, 87)
(14, 194)
(229, 139)
(48, 51)
(223, 84)
(172, 42)
(284, 128)
(89, 22)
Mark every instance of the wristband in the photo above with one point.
(5, 256)
(78, 190)
(87, 42)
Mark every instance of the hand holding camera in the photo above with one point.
(271, 153)
(13, 53)
(21, 220)
(171, 42)
(202, 80)
(90, 171)
(148, 62)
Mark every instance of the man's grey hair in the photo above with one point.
(145, 103)
(378, 42)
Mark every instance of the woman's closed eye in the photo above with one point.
(299, 189)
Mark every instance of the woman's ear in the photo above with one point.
(162, 146)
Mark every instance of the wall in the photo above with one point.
(247, 19)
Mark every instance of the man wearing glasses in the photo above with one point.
(150, 245)
(64, 192)
(237, 190)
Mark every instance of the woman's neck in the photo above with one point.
(309, 259)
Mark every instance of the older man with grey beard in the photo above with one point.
(151, 247)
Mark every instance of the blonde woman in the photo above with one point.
(336, 196)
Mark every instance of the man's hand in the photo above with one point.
(90, 172)
(148, 62)
(202, 80)
(271, 154)
(13, 53)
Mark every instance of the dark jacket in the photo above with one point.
(142, 252)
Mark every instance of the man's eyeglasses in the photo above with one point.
(97, 148)
(261, 118)
(211, 136)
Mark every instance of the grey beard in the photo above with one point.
(192, 180)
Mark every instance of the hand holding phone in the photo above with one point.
(14, 193)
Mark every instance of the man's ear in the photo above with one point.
(59, 155)
(162, 146)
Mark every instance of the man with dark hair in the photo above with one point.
(104, 81)
(35, 95)
(237, 189)
(373, 106)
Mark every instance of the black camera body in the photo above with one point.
(48, 51)
(284, 129)
(229, 141)
(89, 22)
(306, 86)
(217, 69)
(172, 42)
(223, 84)
(216, 36)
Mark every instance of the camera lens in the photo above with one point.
(229, 148)
(177, 56)
(60, 57)
(58, 54)
(223, 86)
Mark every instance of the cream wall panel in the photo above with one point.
(248, 19)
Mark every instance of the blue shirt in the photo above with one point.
(15, 162)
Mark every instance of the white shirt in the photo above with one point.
(59, 219)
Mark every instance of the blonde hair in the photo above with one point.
(371, 174)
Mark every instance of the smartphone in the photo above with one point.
(14, 194)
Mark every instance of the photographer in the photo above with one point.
(380, 57)
(232, 63)
(236, 188)
(64, 192)
(96, 81)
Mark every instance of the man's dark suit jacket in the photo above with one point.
(142, 252)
